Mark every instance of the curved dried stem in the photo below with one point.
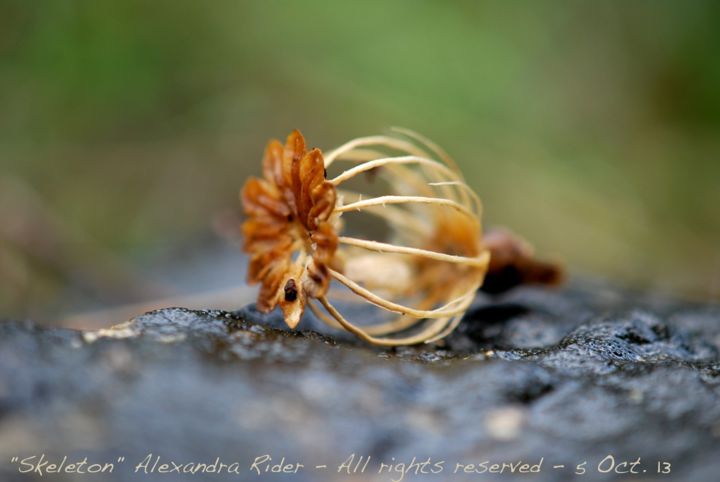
(445, 310)
(466, 191)
(390, 142)
(442, 154)
(439, 151)
(383, 200)
(417, 181)
(448, 329)
(480, 261)
(331, 322)
(433, 329)
(374, 164)
(396, 217)
(359, 155)
(400, 323)
(386, 141)
(407, 175)
(353, 150)
(397, 325)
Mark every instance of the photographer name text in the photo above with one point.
(395, 470)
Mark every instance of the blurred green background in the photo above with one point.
(127, 127)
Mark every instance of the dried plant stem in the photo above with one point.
(412, 178)
(444, 156)
(395, 143)
(480, 261)
(431, 332)
(395, 216)
(370, 165)
(450, 327)
(408, 175)
(386, 141)
(397, 164)
(352, 149)
(362, 155)
(467, 193)
(394, 326)
(399, 324)
(445, 310)
(383, 200)
(331, 322)
(433, 329)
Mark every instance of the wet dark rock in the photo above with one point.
(571, 376)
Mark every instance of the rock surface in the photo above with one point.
(566, 376)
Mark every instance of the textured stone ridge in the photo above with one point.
(570, 376)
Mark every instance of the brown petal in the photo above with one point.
(294, 151)
(266, 301)
(264, 262)
(260, 244)
(257, 267)
(312, 169)
(268, 296)
(295, 145)
(263, 228)
(317, 279)
(326, 243)
(324, 198)
(272, 161)
(260, 198)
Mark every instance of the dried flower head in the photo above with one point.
(421, 277)
(288, 234)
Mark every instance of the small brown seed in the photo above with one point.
(291, 291)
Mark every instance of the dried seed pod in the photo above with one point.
(424, 273)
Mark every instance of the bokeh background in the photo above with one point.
(127, 128)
